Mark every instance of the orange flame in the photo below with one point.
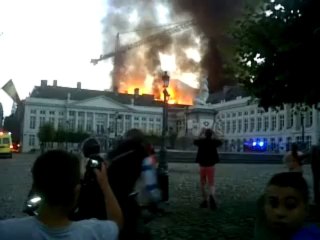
(178, 94)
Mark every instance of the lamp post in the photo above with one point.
(163, 164)
(116, 115)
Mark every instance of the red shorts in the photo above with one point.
(207, 175)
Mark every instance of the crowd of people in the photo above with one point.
(97, 197)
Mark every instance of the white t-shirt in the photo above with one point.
(30, 228)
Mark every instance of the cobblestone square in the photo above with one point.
(238, 186)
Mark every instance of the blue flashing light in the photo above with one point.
(261, 144)
(254, 144)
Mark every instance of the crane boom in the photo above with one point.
(175, 29)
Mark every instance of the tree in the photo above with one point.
(46, 134)
(11, 124)
(278, 52)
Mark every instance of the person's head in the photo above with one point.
(208, 133)
(56, 178)
(286, 202)
(91, 147)
(134, 134)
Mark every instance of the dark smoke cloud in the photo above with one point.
(213, 18)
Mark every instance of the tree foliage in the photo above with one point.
(278, 52)
(46, 133)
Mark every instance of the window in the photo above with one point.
(33, 111)
(273, 144)
(281, 122)
(32, 122)
(309, 119)
(144, 119)
(128, 117)
(51, 112)
(61, 113)
(309, 142)
(245, 125)
(222, 116)
(111, 126)
(128, 125)
(234, 126)
(151, 127)
(239, 114)
(81, 114)
(32, 139)
(72, 124)
(228, 115)
(158, 128)
(228, 127)
(72, 113)
(158, 119)
(245, 113)
(239, 125)
(144, 126)
(266, 123)
(259, 127)
(136, 125)
(151, 119)
(273, 123)
(289, 142)
(60, 123)
(42, 121)
(80, 125)
(42, 112)
(5, 141)
(252, 112)
(136, 118)
(89, 125)
(290, 120)
(234, 115)
(51, 120)
(299, 139)
(251, 124)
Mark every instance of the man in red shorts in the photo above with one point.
(207, 157)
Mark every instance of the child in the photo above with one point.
(283, 209)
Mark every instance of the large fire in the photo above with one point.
(182, 88)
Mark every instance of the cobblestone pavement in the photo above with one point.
(238, 187)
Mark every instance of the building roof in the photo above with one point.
(227, 94)
(79, 94)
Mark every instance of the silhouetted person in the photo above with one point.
(207, 157)
(294, 159)
(56, 179)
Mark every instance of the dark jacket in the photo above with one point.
(207, 155)
(123, 173)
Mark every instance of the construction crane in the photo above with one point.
(121, 49)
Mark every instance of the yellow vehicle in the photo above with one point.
(5, 144)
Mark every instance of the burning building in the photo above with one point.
(190, 50)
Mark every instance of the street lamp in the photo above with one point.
(163, 164)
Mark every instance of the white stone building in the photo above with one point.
(95, 112)
(229, 113)
(237, 120)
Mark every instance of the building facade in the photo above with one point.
(230, 113)
(94, 112)
(237, 120)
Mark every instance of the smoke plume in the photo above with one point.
(196, 51)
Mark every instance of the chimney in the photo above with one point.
(44, 83)
(78, 85)
(55, 83)
(136, 92)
